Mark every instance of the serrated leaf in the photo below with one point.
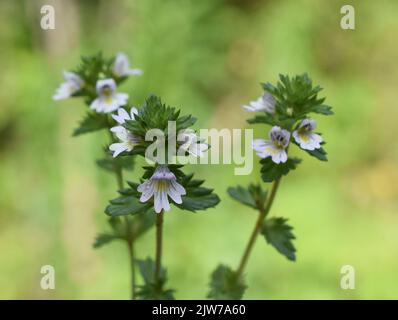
(320, 153)
(271, 171)
(92, 122)
(197, 197)
(126, 205)
(103, 239)
(137, 226)
(156, 115)
(295, 98)
(226, 285)
(199, 203)
(267, 119)
(253, 196)
(152, 290)
(142, 223)
(113, 164)
(279, 234)
(322, 109)
(242, 195)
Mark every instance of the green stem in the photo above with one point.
(159, 235)
(132, 266)
(129, 238)
(263, 213)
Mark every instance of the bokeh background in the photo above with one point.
(207, 57)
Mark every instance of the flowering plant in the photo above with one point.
(139, 205)
(286, 107)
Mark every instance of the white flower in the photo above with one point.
(128, 140)
(73, 83)
(191, 143)
(122, 115)
(108, 99)
(305, 136)
(275, 147)
(265, 103)
(160, 186)
(121, 67)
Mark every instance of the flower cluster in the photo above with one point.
(101, 75)
(127, 139)
(287, 112)
(286, 108)
(163, 182)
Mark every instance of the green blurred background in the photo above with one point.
(208, 58)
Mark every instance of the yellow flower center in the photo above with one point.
(162, 185)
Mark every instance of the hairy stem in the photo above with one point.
(262, 214)
(159, 235)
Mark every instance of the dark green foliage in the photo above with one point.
(152, 290)
(93, 121)
(103, 239)
(127, 203)
(112, 164)
(279, 234)
(197, 197)
(91, 69)
(156, 115)
(141, 223)
(320, 153)
(271, 171)
(295, 98)
(137, 226)
(225, 284)
(266, 119)
(253, 196)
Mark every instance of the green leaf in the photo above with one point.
(91, 69)
(295, 98)
(320, 153)
(113, 164)
(92, 122)
(279, 234)
(199, 203)
(152, 290)
(322, 109)
(271, 171)
(156, 115)
(253, 196)
(267, 119)
(126, 205)
(118, 227)
(141, 223)
(226, 285)
(137, 226)
(242, 195)
(197, 197)
(103, 239)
